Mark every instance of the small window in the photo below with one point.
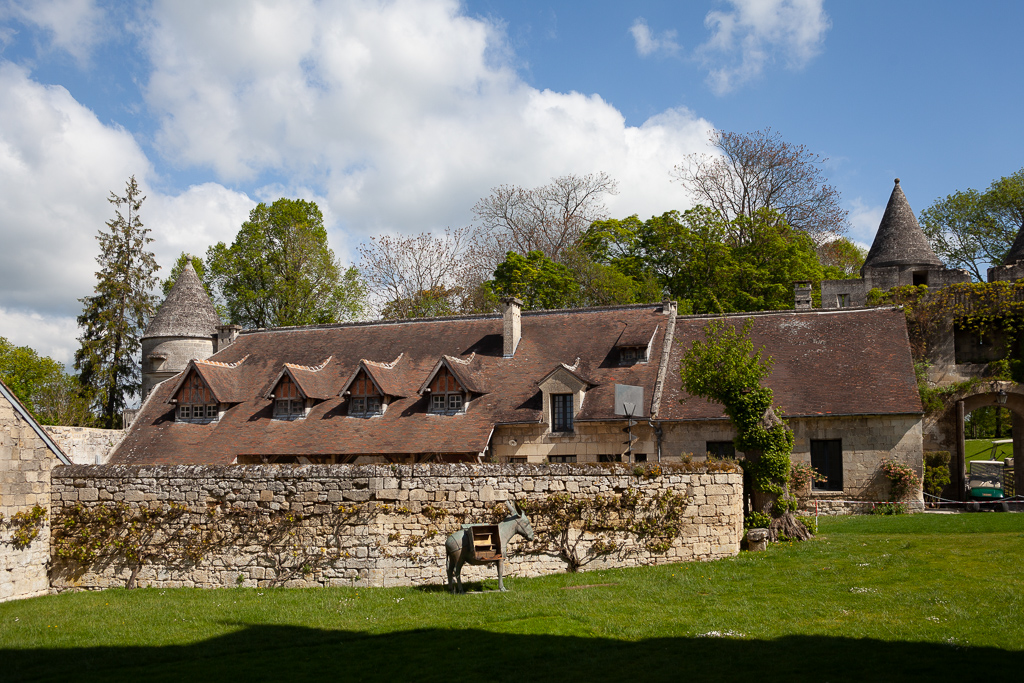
(561, 458)
(843, 300)
(721, 449)
(185, 412)
(198, 413)
(609, 457)
(289, 408)
(365, 406)
(516, 459)
(211, 412)
(446, 404)
(920, 277)
(827, 458)
(561, 412)
(632, 354)
(639, 457)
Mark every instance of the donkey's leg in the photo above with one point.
(458, 577)
(501, 584)
(450, 562)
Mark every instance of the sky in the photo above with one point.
(397, 117)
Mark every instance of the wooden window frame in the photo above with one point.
(563, 416)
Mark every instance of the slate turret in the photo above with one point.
(184, 328)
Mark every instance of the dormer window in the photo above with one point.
(561, 412)
(563, 391)
(447, 396)
(365, 400)
(289, 403)
(196, 402)
(628, 355)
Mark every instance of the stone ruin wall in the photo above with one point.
(25, 464)
(86, 445)
(374, 525)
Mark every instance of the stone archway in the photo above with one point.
(1009, 395)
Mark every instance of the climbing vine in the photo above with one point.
(24, 526)
(723, 367)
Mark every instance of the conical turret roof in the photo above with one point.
(899, 240)
(1016, 252)
(187, 311)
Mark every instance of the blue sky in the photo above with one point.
(398, 116)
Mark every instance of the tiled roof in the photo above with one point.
(549, 338)
(186, 312)
(900, 240)
(844, 362)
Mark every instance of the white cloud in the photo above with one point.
(864, 220)
(74, 26)
(396, 113)
(53, 336)
(58, 164)
(647, 43)
(755, 32)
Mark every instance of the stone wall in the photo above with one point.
(324, 525)
(25, 463)
(85, 445)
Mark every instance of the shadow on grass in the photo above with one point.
(297, 653)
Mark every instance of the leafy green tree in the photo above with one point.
(197, 264)
(114, 318)
(535, 279)
(971, 229)
(40, 383)
(279, 270)
(724, 368)
(841, 259)
(706, 263)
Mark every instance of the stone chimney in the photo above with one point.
(226, 336)
(802, 295)
(512, 330)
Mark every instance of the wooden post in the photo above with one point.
(961, 457)
(1018, 454)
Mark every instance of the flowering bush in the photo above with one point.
(903, 480)
(801, 474)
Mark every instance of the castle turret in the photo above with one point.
(900, 241)
(184, 328)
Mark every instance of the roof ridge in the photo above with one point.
(310, 368)
(221, 364)
(460, 361)
(385, 366)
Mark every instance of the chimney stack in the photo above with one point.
(512, 329)
(226, 335)
(802, 295)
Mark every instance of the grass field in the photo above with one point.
(984, 449)
(924, 597)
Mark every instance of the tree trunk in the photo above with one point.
(761, 501)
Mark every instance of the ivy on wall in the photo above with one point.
(24, 526)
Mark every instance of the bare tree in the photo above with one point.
(418, 276)
(760, 170)
(549, 219)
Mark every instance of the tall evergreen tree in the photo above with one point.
(113, 319)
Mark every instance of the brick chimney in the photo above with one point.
(512, 329)
(802, 295)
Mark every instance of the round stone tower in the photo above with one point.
(184, 328)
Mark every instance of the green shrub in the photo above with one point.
(936, 472)
(757, 520)
(889, 509)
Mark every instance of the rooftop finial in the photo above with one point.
(897, 181)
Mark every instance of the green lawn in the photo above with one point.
(984, 449)
(924, 597)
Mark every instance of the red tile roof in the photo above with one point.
(834, 362)
(549, 338)
(826, 363)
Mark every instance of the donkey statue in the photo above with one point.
(461, 548)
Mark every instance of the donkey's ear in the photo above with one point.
(515, 506)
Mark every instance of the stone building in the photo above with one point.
(899, 255)
(27, 454)
(534, 386)
(185, 328)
